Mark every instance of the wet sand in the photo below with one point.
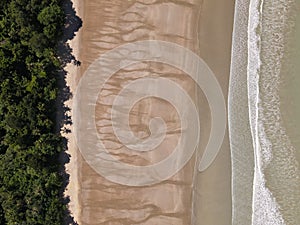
(213, 186)
(193, 23)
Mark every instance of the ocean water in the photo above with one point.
(242, 156)
(266, 62)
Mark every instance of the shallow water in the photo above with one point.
(273, 100)
(290, 91)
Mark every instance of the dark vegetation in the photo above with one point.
(32, 177)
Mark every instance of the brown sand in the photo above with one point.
(193, 23)
(213, 192)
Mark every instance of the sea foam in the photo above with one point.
(275, 178)
(242, 157)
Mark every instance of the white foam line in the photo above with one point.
(238, 118)
(265, 208)
(263, 143)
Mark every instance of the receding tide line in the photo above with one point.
(242, 156)
(264, 205)
(276, 179)
(265, 172)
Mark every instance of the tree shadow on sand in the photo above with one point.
(72, 25)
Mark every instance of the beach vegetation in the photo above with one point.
(30, 173)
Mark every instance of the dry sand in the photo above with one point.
(193, 23)
(73, 188)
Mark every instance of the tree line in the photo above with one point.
(30, 179)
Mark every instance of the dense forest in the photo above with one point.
(30, 173)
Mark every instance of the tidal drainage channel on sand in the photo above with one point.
(98, 73)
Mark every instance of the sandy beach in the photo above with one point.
(73, 188)
(189, 197)
(213, 186)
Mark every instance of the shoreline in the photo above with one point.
(242, 156)
(213, 186)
